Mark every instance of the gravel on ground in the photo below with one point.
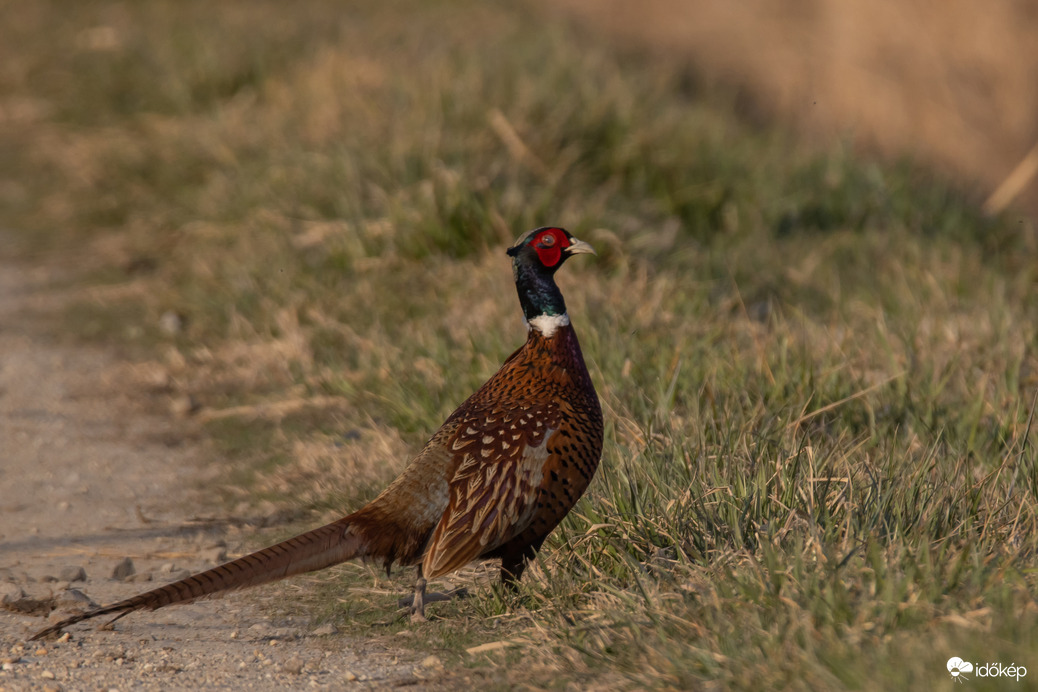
(100, 497)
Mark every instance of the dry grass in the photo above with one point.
(818, 373)
(951, 83)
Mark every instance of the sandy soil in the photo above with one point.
(89, 478)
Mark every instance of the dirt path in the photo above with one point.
(88, 479)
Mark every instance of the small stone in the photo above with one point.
(432, 662)
(64, 638)
(14, 575)
(6, 666)
(74, 599)
(167, 568)
(216, 554)
(349, 676)
(124, 569)
(48, 675)
(184, 405)
(10, 593)
(293, 666)
(171, 323)
(326, 629)
(26, 604)
(72, 573)
(113, 655)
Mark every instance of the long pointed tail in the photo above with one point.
(323, 547)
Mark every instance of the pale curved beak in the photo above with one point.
(579, 247)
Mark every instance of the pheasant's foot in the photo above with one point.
(418, 601)
(435, 596)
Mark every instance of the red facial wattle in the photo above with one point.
(549, 246)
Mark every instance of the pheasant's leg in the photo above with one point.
(512, 567)
(514, 561)
(434, 596)
(418, 604)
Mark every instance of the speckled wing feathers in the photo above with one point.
(517, 441)
(490, 494)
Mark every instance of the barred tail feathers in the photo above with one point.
(322, 547)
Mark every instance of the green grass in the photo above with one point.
(818, 371)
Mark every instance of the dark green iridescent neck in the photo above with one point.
(538, 294)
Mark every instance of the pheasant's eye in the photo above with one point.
(548, 240)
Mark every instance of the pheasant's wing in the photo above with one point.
(494, 491)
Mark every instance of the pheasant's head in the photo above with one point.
(535, 259)
(545, 249)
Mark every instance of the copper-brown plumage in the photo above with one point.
(492, 482)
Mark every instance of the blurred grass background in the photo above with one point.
(952, 88)
(818, 369)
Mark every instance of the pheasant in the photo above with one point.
(495, 479)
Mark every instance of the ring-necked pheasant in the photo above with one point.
(493, 482)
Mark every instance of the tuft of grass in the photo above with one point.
(818, 371)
